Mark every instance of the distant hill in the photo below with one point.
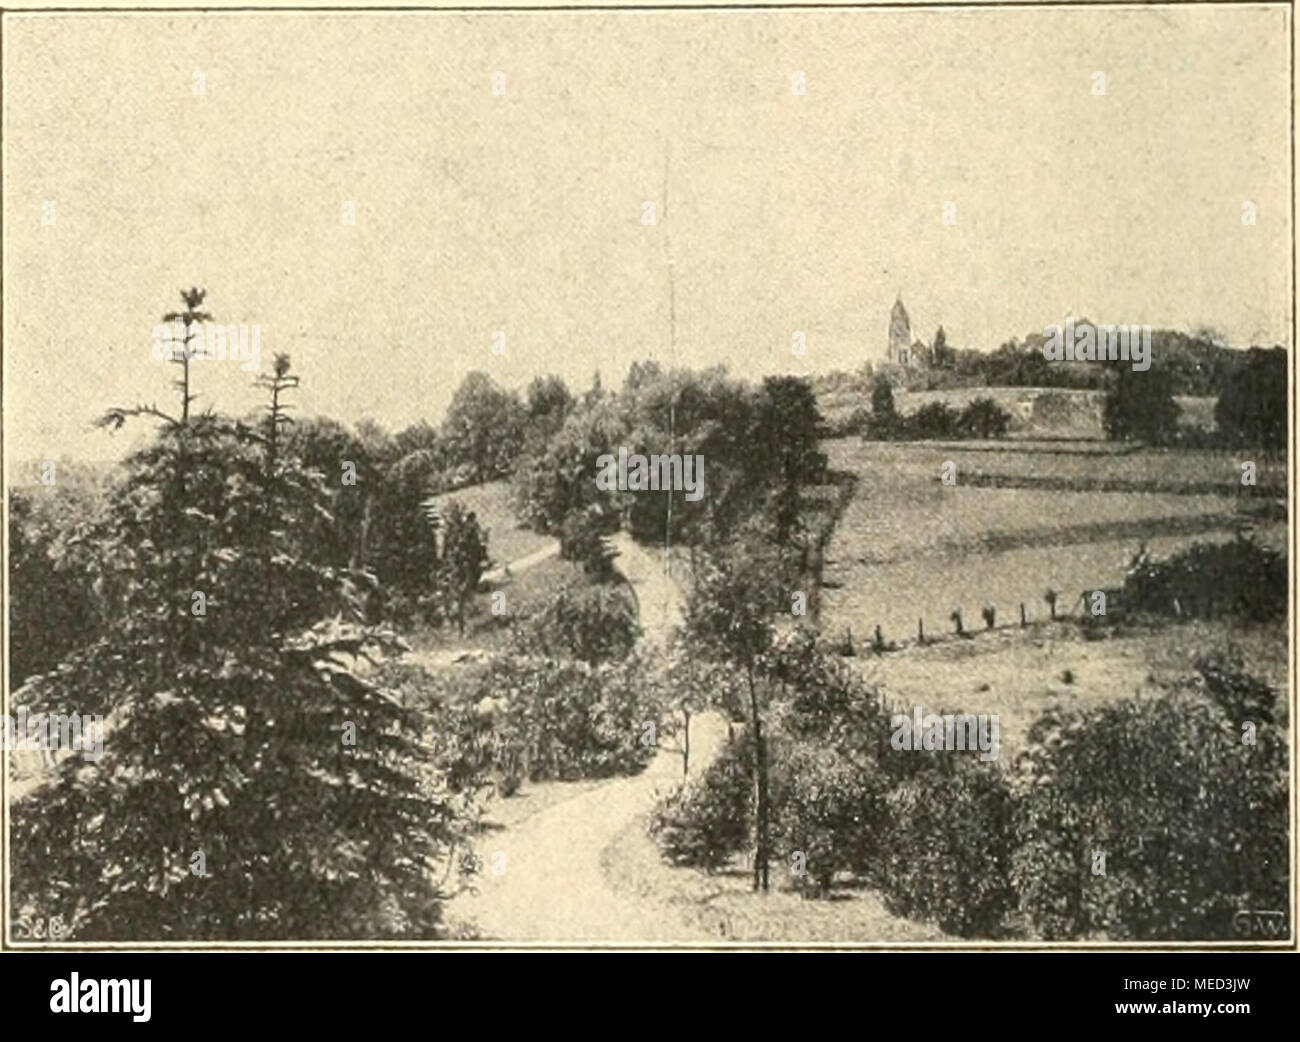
(1198, 368)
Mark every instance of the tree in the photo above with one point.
(784, 445)
(932, 420)
(401, 545)
(483, 429)
(188, 320)
(983, 418)
(582, 540)
(1192, 820)
(729, 617)
(1251, 411)
(1140, 406)
(590, 623)
(558, 478)
(882, 399)
(352, 480)
(884, 422)
(548, 406)
(464, 559)
(941, 355)
(253, 786)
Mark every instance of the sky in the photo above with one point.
(522, 214)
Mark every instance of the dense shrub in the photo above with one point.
(827, 808)
(54, 607)
(583, 541)
(1240, 695)
(1251, 410)
(1140, 406)
(591, 623)
(949, 844)
(983, 418)
(932, 420)
(707, 821)
(530, 717)
(1208, 580)
(1191, 819)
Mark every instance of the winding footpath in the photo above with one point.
(551, 886)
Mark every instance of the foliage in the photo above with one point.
(983, 418)
(558, 479)
(1140, 406)
(949, 844)
(230, 721)
(484, 429)
(827, 808)
(1208, 580)
(932, 420)
(545, 718)
(1241, 696)
(1252, 408)
(590, 623)
(464, 559)
(706, 822)
(583, 541)
(1192, 821)
(54, 607)
(882, 399)
(784, 446)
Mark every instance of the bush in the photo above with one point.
(827, 808)
(932, 420)
(591, 623)
(1208, 580)
(55, 607)
(1251, 410)
(983, 418)
(582, 540)
(1192, 821)
(538, 718)
(1140, 406)
(1240, 695)
(949, 845)
(707, 821)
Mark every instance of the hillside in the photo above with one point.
(1036, 412)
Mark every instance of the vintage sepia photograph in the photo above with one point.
(756, 478)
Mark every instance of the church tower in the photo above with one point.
(900, 334)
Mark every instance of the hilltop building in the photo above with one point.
(903, 350)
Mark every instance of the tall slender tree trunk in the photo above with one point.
(760, 771)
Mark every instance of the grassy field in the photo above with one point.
(909, 547)
(1017, 674)
(1077, 466)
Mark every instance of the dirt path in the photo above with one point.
(542, 879)
(551, 886)
(522, 564)
(659, 598)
